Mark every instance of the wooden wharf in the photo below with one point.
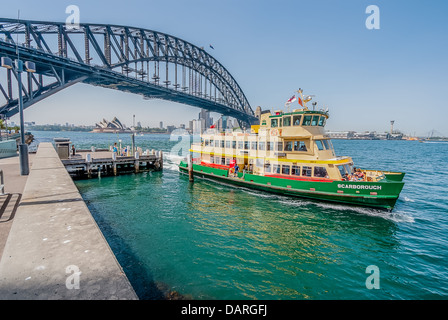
(86, 164)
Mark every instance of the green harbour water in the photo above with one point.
(206, 240)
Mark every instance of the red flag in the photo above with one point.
(300, 101)
(292, 99)
(212, 126)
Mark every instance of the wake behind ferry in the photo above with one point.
(290, 154)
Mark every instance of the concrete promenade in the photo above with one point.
(55, 249)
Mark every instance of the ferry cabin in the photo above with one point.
(290, 145)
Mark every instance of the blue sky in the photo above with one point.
(365, 77)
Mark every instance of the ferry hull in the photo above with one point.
(381, 195)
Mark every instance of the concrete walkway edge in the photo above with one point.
(55, 249)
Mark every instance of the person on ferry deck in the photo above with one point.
(359, 174)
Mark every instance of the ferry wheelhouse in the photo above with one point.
(289, 153)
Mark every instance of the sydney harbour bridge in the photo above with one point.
(140, 61)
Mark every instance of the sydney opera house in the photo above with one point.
(114, 126)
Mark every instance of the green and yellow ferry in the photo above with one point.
(290, 154)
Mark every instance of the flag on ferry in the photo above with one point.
(292, 99)
(212, 126)
(300, 101)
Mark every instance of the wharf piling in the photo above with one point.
(190, 168)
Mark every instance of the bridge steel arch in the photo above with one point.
(135, 60)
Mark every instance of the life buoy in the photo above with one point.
(232, 170)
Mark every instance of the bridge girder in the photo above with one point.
(118, 57)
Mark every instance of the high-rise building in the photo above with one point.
(205, 119)
(161, 124)
(258, 112)
(222, 123)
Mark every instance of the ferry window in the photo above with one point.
(319, 144)
(295, 171)
(267, 167)
(322, 121)
(212, 159)
(222, 143)
(259, 163)
(307, 120)
(279, 146)
(223, 160)
(275, 168)
(270, 146)
(326, 144)
(320, 172)
(228, 144)
(240, 145)
(233, 144)
(299, 146)
(315, 121)
(253, 145)
(286, 121)
(341, 170)
(216, 143)
(207, 142)
(348, 168)
(331, 144)
(286, 169)
(306, 171)
(296, 120)
(274, 123)
(261, 145)
(246, 145)
(211, 143)
(280, 122)
(288, 146)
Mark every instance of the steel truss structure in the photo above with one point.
(140, 61)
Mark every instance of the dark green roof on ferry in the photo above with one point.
(324, 113)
